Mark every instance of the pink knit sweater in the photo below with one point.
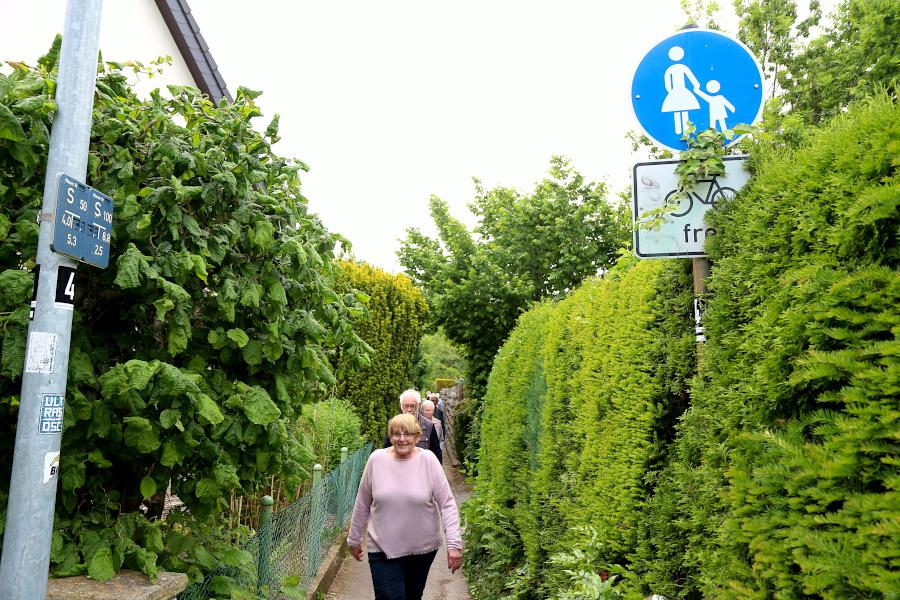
(400, 500)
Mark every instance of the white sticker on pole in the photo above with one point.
(41, 352)
(34, 291)
(51, 465)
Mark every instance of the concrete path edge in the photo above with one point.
(329, 568)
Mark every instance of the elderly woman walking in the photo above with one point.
(403, 488)
(428, 413)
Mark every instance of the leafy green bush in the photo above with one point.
(446, 382)
(580, 406)
(466, 430)
(783, 479)
(440, 363)
(494, 558)
(589, 578)
(329, 425)
(392, 328)
(526, 246)
(192, 353)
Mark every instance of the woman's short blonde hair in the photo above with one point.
(407, 424)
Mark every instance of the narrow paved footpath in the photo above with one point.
(354, 582)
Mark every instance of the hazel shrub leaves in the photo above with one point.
(217, 318)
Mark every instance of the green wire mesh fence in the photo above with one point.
(290, 545)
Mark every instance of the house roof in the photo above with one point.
(194, 50)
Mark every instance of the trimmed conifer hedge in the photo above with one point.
(767, 470)
(393, 327)
(571, 426)
(784, 480)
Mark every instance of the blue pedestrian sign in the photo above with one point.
(83, 222)
(696, 76)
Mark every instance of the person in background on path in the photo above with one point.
(400, 494)
(409, 405)
(439, 410)
(428, 413)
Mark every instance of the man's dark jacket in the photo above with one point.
(427, 441)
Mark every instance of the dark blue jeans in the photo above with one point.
(400, 578)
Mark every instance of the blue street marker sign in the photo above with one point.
(699, 76)
(51, 416)
(83, 222)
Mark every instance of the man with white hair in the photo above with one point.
(409, 405)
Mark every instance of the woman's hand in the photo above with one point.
(454, 559)
(356, 552)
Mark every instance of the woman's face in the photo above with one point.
(427, 411)
(404, 443)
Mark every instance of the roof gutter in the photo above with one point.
(193, 48)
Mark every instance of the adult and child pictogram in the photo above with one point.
(696, 76)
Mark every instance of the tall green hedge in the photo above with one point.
(571, 426)
(604, 409)
(510, 431)
(765, 467)
(393, 327)
(785, 475)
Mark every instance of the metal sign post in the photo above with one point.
(32, 492)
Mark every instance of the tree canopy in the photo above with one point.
(524, 248)
(439, 358)
(857, 53)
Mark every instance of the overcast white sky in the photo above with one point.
(390, 102)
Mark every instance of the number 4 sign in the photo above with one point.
(65, 288)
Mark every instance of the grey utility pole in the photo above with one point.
(25, 561)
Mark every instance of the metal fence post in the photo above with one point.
(317, 475)
(264, 569)
(342, 488)
(315, 522)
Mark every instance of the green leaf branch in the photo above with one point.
(703, 158)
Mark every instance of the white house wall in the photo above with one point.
(129, 30)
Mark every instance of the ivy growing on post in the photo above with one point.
(192, 354)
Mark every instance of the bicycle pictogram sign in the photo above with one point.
(685, 202)
(684, 230)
